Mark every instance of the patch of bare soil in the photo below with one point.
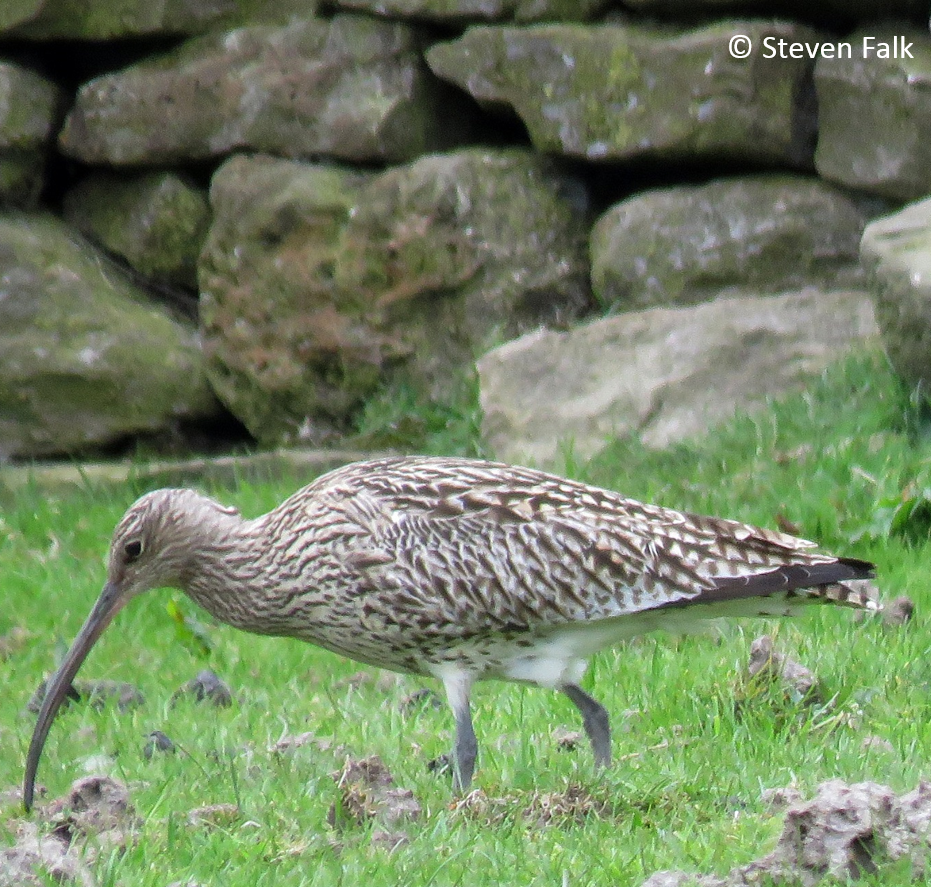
(95, 815)
(767, 665)
(370, 794)
(34, 856)
(841, 833)
(898, 611)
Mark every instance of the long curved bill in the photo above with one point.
(108, 605)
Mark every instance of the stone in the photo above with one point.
(30, 109)
(15, 12)
(663, 374)
(86, 358)
(617, 92)
(460, 11)
(761, 233)
(156, 221)
(464, 250)
(875, 113)
(278, 347)
(318, 283)
(897, 252)
(110, 19)
(348, 87)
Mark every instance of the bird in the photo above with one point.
(458, 569)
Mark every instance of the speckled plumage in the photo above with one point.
(464, 570)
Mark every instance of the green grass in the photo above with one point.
(847, 463)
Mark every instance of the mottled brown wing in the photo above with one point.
(488, 570)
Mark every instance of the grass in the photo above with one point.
(847, 464)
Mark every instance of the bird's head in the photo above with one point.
(155, 545)
(158, 540)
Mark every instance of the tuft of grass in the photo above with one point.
(401, 418)
(690, 762)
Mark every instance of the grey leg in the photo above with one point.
(465, 750)
(458, 689)
(596, 722)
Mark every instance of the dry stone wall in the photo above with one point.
(270, 210)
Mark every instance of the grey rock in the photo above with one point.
(348, 87)
(875, 114)
(762, 233)
(15, 12)
(664, 374)
(463, 250)
(897, 251)
(85, 357)
(109, 19)
(156, 221)
(619, 92)
(59, 478)
(457, 11)
(279, 347)
(30, 109)
(318, 282)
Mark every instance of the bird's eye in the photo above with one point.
(133, 549)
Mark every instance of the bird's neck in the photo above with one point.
(225, 574)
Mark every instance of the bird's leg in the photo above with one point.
(596, 722)
(458, 690)
(465, 750)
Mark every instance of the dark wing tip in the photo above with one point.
(787, 578)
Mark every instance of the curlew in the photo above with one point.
(460, 569)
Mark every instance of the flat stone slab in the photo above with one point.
(664, 374)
